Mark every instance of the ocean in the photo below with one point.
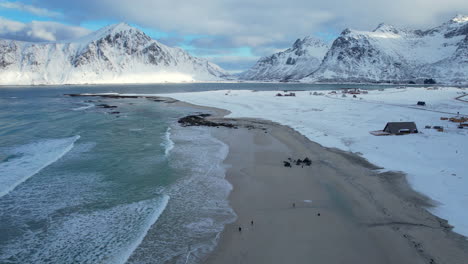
(81, 185)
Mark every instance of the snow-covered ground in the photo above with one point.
(436, 162)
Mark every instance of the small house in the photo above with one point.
(398, 128)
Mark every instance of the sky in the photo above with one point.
(232, 33)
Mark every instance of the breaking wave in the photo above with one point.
(25, 161)
(168, 143)
(86, 106)
(103, 236)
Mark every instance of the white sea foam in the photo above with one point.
(150, 222)
(101, 236)
(199, 201)
(168, 143)
(86, 106)
(27, 160)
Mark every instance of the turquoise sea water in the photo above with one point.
(81, 185)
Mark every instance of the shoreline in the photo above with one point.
(366, 211)
(240, 82)
(374, 208)
(384, 209)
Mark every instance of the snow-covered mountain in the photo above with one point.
(389, 54)
(114, 54)
(294, 63)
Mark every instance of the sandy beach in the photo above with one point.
(344, 210)
(340, 209)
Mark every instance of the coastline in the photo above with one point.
(365, 216)
(344, 123)
(234, 82)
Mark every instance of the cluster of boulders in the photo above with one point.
(290, 162)
(106, 106)
(200, 120)
(112, 96)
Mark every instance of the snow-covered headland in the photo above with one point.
(115, 54)
(387, 54)
(434, 161)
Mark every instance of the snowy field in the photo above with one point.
(436, 162)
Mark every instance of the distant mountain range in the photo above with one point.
(384, 55)
(123, 54)
(114, 54)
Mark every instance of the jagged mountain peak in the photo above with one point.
(389, 54)
(346, 31)
(460, 19)
(456, 26)
(294, 63)
(122, 27)
(117, 53)
(382, 27)
(119, 29)
(308, 41)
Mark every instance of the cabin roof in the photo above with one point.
(395, 127)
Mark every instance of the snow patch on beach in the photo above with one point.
(27, 160)
(435, 162)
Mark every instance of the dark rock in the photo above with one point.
(106, 106)
(114, 113)
(429, 81)
(307, 162)
(200, 120)
(287, 164)
(298, 162)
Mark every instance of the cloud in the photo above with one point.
(247, 22)
(30, 9)
(263, 25)
(39, 31)
(260, 22)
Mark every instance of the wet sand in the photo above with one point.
(365, 216)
